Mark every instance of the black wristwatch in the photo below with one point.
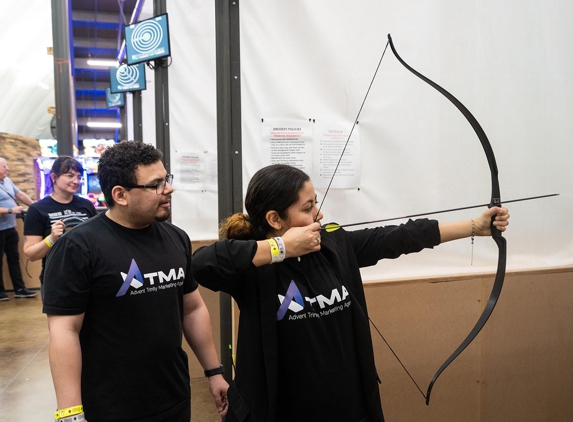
(214, 371)
(9, 210)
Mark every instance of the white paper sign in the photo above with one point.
(195, 171)
(288, 142)
(329, 142)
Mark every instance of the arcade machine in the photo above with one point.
(91, 188)
(49, 153)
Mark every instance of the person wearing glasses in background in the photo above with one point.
(119, 295)
(48, 219)
(9, 209)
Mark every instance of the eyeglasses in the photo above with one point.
(72, 176)
(159, 187)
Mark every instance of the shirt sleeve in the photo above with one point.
(33, 224)
(223, 265)
(190, 284)
(67, 279)
(14, 188)
(371, 245)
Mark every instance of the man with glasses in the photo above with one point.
(119, 295)
(9, 209)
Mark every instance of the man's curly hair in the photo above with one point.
(117, 165)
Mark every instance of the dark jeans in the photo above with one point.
(9, 245)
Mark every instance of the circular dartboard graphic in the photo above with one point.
(147, 37)
(127, 75)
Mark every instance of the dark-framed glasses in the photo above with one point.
(159, 187)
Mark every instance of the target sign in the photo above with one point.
(147, 37)
(113, 100)
(127, 78)
(127, 75)
(147, 40)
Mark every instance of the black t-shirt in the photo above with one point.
(130, 285)
(42, 214)
(318, 377)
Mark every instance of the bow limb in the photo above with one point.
(494, 201)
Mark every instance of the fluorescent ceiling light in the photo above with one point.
(103, 63)
(114, 125)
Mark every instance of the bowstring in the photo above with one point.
(352, 130)
(395, 355)
(324, 198)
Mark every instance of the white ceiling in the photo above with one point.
(26, 69)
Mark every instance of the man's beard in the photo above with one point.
(165, 217)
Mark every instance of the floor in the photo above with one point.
(26, 390)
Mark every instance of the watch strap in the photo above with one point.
(215, 371)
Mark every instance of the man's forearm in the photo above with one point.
(66, 364)
(199, 335)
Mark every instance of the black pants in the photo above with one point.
(9, 245)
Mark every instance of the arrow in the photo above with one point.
(333, 226)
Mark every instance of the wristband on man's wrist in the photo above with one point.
(70, 411)
(215, 371)
(76, 418)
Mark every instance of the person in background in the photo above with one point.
(9, 209)
(304, 349)
(48, 219)
(120, 295)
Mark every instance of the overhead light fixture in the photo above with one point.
(103, 63)
(107, 125)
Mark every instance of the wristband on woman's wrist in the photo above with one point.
(274, 250)
(278, 250)
(48, 241)
(282, 248)
(69, 411)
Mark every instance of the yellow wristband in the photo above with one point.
(274, 250)
(48, 242)
(70, 411)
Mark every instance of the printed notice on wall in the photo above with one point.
(196, 171)
(329, 142)
(288, 142)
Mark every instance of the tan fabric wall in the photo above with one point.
(520, 367)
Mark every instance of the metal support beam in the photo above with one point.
(66, 119)
(229, 141)
(162, 139)
(137, 117)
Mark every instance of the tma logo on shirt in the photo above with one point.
(294, 302)
(134, 279)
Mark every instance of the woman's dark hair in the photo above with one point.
(64, 164)
(117, 165)
(275, 187)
